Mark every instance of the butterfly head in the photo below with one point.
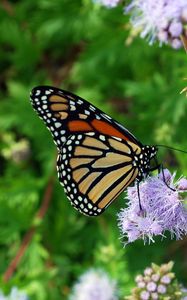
(144, 160)
(149, 151)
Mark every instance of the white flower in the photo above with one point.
(94, 285)
(108, 3)
(144, 295)
(15, 294)
(161, 289)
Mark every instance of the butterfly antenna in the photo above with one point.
(171, 148)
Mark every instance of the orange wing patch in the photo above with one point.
(59, 105)
(79, 126)
(105, 128)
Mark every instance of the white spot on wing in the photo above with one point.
(57, 124)
(102, 137)
(117, 138)
(90, 133)
(87, 112)
(38, 92)
(72, 107)
(92, 108)
(44, 97)
(47, 92)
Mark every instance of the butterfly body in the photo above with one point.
(97, 157)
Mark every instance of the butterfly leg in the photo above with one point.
(138, 191)
(160, 169)
(164, 178)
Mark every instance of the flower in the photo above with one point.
(94, 285)
(144, 295)
(154, 296)
(158, 290)
(15, 294)
(108, 3)
(184, 291)
(139, 278)
(165, 279)
(162, 20)
(161, 289)
(151, 286)
(148, 271)
(141, 284)
(162, 209)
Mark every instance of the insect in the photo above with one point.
(98, 158)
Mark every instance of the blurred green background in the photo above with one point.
(81, 47)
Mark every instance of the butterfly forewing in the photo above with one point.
(94, 169)
(65, 113)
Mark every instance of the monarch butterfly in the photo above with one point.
(97, 157)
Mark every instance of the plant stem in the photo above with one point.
(28, 236)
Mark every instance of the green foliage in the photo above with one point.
(81, 47)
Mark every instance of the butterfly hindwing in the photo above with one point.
(94, 169)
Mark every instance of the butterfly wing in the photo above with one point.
(95, 161)
(94, 169)
(65, 114)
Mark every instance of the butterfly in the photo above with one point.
(98, 158)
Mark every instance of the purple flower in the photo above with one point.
(162, 209)
(94, 285)
(176, 43)
(151, 286)
(162, 20)
(165, 285)
(155, 277)
(175, 29)
(165, 279)
(144, 295)
(161, 289)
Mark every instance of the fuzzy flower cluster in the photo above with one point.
(15, 294)
(162, 209)
(162, 20)
(157, 283)
(94, 285)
